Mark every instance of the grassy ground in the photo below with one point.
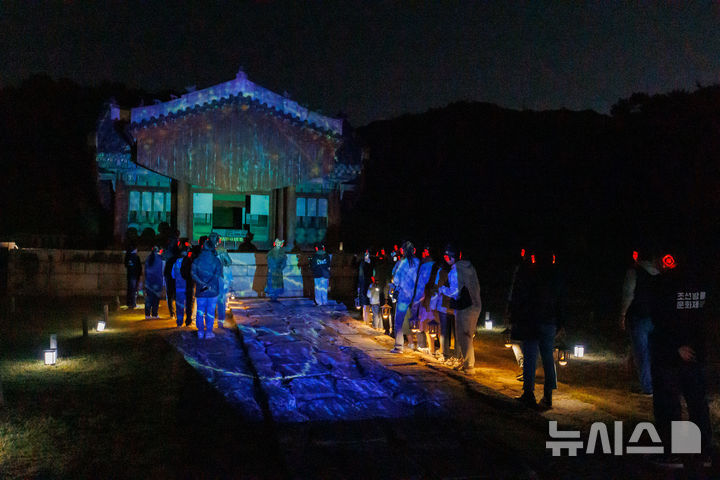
(121, 404)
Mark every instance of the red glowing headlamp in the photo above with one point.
(669, 261)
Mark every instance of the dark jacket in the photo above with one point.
(206, 272)
(154, 273)
(320, 264)
(537, 300)
(646, 286)
(679, 315)
(133, 265)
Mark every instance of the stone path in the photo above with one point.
(337, 404)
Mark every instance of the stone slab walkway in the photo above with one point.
(336, 404)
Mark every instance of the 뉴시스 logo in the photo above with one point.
(685, 438)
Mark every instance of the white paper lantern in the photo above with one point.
(50, 356)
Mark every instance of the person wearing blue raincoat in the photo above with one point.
(277, 260)
(153, 283)
(180, 286)
(404, 281)
(206, 272)
(425, 274)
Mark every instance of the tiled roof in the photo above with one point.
(239, 87)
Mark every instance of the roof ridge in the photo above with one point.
(238, 87)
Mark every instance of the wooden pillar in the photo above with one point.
(279, 213)
(173, 204)
(182, 208)
(290, 215)
(332, 237)
(272, 213)
(120, 213)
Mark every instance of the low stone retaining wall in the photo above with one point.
(101, 273)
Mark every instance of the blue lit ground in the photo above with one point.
(332, 401)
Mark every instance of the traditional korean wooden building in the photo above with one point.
(232, 158)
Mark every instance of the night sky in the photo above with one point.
(374, 60)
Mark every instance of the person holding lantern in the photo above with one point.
(383, 276)
(464, 288)
(404, 282)
(427, 271)
(226, 279)
(440, 304)
(429, 324)
(537, 318)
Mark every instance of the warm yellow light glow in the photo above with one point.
(562, 358)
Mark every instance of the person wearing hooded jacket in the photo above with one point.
(206, 272)
(404, 282)
(464, 288)
(536, 316)
(180, 286)
(639, 294)
(153, 283)
(320, 266)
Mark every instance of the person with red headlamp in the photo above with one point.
(464, 288)
(638, 297)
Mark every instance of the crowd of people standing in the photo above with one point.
(196, 280)
(431, 300)
(435, 303)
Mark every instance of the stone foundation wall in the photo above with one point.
(63, 273)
